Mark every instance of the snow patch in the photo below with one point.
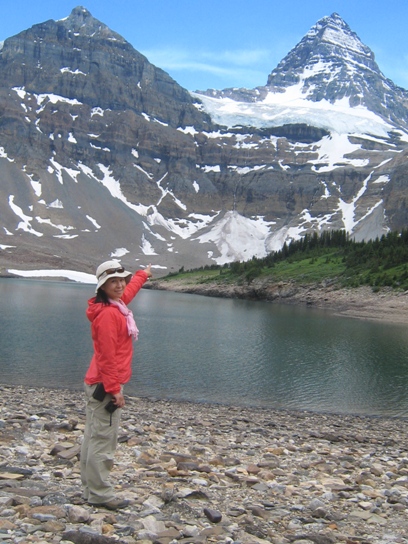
(59, 170)
(73, 72)
(215, 168)
(97, 111)
(292, 107)
(188, 130)
(348, 209)
(146, 247)
(237, 237)
(36, 185)
(93, 221)
(149, 176)
(62, 228)
(80, 277)
(24, 224)
(332, 150)
(56, 204)
(119, 252)
(3, 155)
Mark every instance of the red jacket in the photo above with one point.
(111, 363)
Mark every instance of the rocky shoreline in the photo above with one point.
(386, 305)
(198, 473)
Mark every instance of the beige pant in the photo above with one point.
(98, 448)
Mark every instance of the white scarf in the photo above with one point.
(130, 320)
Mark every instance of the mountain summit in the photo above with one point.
(331, 63)
(81, 58)
(103, 154)
(329, 52)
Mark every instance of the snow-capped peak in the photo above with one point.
(333, 30)
(329, 80)
(331, 51)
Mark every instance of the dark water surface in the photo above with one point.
(211, 350)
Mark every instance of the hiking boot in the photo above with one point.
(114, 504)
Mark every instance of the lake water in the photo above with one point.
(211, 350)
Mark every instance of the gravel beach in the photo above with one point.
(198, 473)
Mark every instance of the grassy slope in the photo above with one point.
(346, 266)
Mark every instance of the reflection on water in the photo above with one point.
(211, 350)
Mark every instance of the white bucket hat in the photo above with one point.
(111, 269)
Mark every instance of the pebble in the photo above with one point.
(200, 473)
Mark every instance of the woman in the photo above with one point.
(113, 331)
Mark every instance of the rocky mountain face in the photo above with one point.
(103, 154)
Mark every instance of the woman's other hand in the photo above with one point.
(119, 400)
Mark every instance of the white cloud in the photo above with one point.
(178, 57)
(242, 67)
(238, 57)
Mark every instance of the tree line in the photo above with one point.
(379, 262)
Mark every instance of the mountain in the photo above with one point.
(103, 154)
(329, 71)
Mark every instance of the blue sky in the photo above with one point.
(227, 43)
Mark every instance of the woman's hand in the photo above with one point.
(148, 271)
(119, 400)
